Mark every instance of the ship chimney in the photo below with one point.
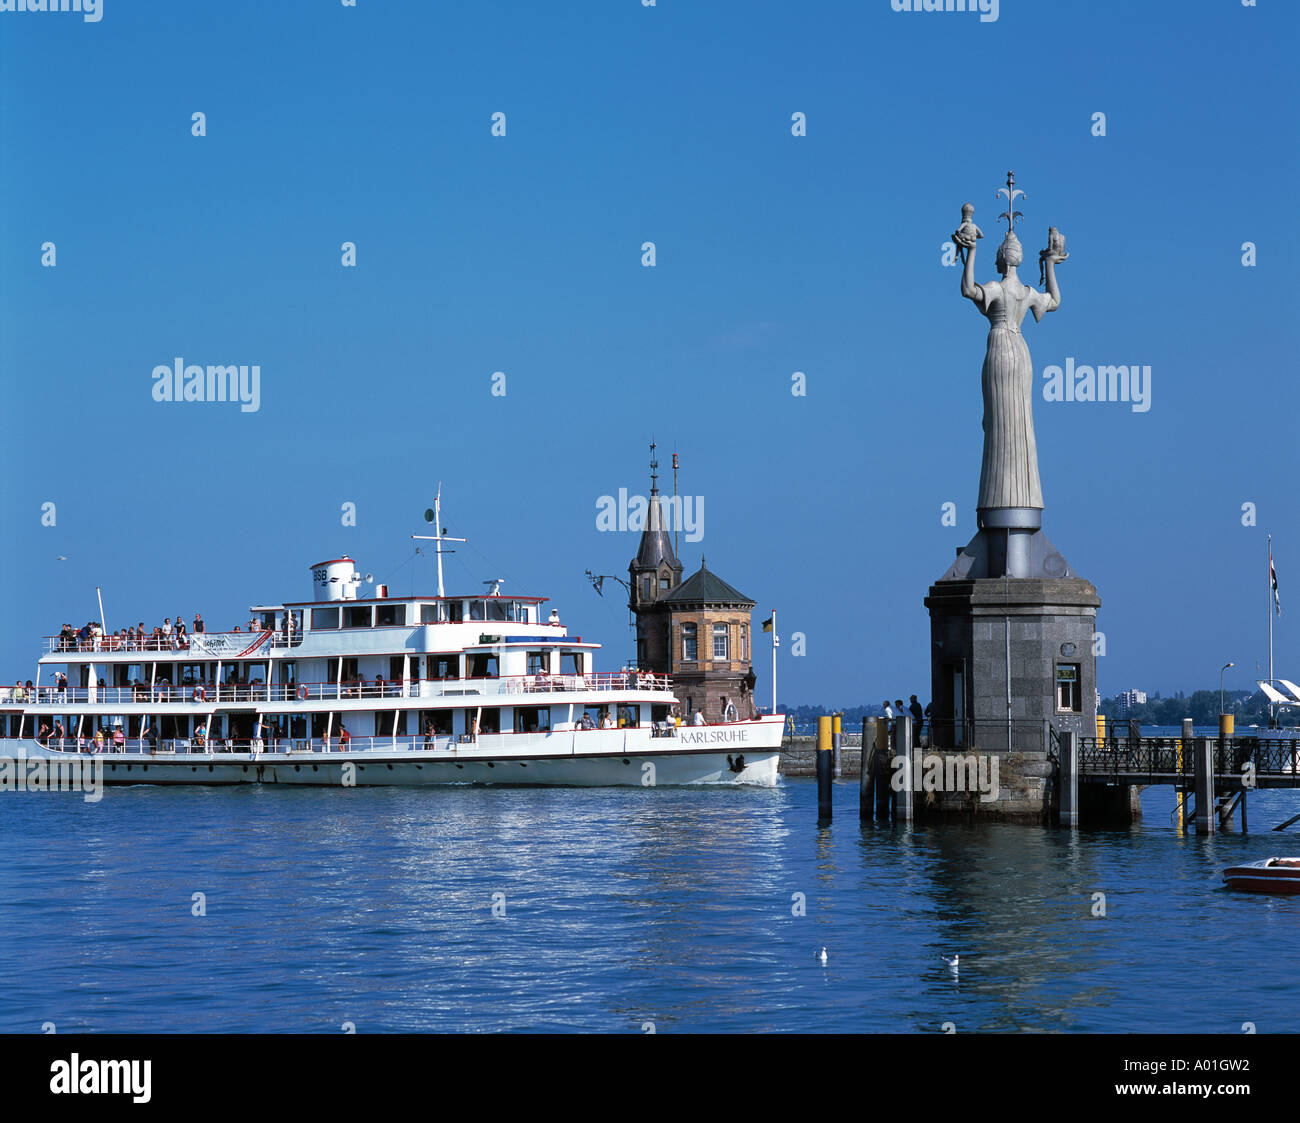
(336, 579)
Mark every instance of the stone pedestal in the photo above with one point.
(1035, 632)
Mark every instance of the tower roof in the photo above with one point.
(706, 588)
(656, 542)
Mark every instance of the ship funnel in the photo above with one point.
(336, 579)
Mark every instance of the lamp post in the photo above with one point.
(1222, 669)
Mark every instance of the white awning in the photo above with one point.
(1275, 696)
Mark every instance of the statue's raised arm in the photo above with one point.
(1050, 299)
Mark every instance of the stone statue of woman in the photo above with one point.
(1010, 493)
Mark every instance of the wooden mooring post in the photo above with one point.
(904, 798)
(884, 792)
(1203, 767)
(867, 771)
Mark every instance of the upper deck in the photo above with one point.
(380, 625)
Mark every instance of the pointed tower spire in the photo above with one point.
(655, 558)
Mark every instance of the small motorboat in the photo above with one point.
(1269, 875)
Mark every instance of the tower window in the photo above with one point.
(720, 642)
(1068, 696)
(690, 645)
(647, 584)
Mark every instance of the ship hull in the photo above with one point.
(588, 759)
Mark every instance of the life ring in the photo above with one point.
(302, 692)
(200, 695)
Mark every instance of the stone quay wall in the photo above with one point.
(1025, 791)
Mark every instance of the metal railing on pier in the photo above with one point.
(1164, 760)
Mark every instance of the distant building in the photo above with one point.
(698, 630)
(1127, 699)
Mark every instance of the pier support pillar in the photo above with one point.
(904, 799)
(1203, 767)
(867, 771)
(1069, 781)
(836, 735)
(884, 791)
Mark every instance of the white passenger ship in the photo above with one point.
(417, 690)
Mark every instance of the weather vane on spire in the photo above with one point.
(654, 466)
(1011, 191)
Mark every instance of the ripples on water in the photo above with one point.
(671, 906)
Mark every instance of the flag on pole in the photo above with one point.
(1272, 577)
(767, 624)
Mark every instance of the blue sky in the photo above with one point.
(522, 254)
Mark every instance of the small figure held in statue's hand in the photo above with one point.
(966, 234)
(1055, 252)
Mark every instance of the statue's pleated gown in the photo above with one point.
(1009, 472)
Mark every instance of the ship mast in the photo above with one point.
(435, 516)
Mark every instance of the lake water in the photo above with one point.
(622, 908)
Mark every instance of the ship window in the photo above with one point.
(324, 618)
(497, 610)
(477, 610)
(571, 663)
(389, 722)
(432, 613)
(539, 662)
(690, 647)
(357, 616)
(442, 666)
(481, 666)
(720, 644)
(532, 719)
(441, 720)
(390, 615)
(489, 720)
(456, 611)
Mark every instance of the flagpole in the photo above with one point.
(1271, 599)
(775, 641)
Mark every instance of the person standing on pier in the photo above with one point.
(918, 718)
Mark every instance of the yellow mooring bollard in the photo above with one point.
(824, 769)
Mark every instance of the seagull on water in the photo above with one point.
(953, 961)
(821, 957)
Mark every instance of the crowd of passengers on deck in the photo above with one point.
(167, 636)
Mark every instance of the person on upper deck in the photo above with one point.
(554, 618)
(198, 624)
(697, 718)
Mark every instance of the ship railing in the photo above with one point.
(224, 641)
(217, 747)
(225, 693)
